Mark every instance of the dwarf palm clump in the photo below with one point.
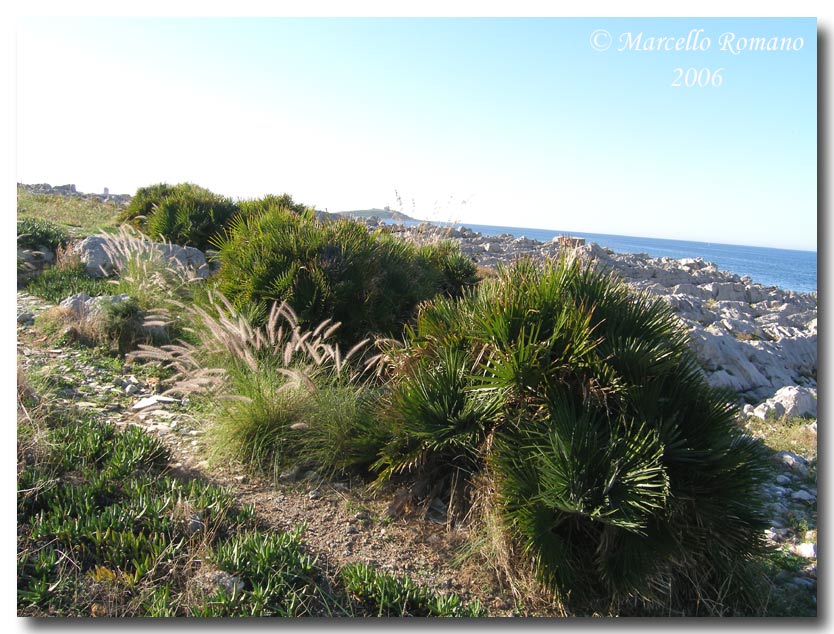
(370, 283)
(184, 214)
(576, 408)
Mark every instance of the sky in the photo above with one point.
(552, 123)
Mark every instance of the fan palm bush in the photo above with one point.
(613, 466)
(271, 201)
(370, 283)
(185, 214)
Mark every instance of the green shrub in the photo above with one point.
(120, 323)
(370, 283)
(184, 214)
(342, 433)
(144, 201)
(34, 233)
(617, 470)
(271, 201)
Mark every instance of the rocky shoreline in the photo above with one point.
(749, 338)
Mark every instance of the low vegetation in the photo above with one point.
(76, 216)
(104, 530)
(37, 233)
(558, 417)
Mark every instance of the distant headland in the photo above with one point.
(386, 213)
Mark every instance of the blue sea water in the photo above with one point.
(784, 268)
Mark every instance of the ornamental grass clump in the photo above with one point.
(571, 408)
(281, 392)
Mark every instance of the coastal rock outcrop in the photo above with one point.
(749, 338)
(791, 401)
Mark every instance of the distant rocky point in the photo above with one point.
(70, 190)
(380, 214)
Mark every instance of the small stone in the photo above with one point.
(314, 494)
(783, 479)
(803, 495)
(806, 550)
(804, 583)
(153, 400)
(791, 460)
(195, 525)
(130, 388)
(291, 475)
(26, 319)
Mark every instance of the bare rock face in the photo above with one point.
(100, 261)
(790, 401)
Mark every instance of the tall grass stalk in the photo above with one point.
(268, 382)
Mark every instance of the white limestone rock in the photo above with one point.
(790, 401)
(99, 263)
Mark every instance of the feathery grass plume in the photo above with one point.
(618, 472)
(145, 270)
(266, 380)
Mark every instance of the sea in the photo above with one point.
(785, 268)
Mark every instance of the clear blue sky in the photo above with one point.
(516, 122)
